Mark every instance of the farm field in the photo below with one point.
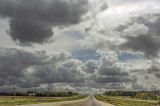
(22, 100)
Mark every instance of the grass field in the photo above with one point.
(122, 102)
(8, 100)
(128, 97)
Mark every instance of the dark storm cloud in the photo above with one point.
(152, 21)
(115, 86)
(111, 86)
(13, 63)
(158, 75)
(104, 6)
(29, 30)
(152, 68)
(116, 79)
(147, 43)
(58, 72)
(28, 68)
(31, 21)
(136, 86)
(146, 77)
(112, 71)
(90, 66)
(113, 74)
(109, 67)
(109, 70)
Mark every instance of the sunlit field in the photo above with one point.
(130, 98)
(21, 100)
(121, 102)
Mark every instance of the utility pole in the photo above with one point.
(14, 90)
(48, 91)
(34, 89)
(55, 89)
(14, 87)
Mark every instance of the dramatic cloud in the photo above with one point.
(90, 66)
(98, 45)
(146, 44)
(28, 69)
(122, 2)
(114, 80)
(31, 21)
(111, 71)
(71, 71)
(146, 41)
(101, 5)
(22, 67)
(153, 68)
(138, 34)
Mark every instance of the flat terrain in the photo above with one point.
(89, 101)
(24, 100)
(79, 100)
(126, 102)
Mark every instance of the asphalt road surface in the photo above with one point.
(89, 101)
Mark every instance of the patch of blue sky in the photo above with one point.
(124, 56)
(85, 54)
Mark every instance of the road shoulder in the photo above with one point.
(57, 103)
(103, 103)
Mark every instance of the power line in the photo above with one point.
(14, 90)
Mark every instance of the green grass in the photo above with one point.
(8, 101)
(121, 102)
(128, 97)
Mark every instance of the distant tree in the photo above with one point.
(145, 95)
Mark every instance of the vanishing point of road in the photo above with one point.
(89, 101)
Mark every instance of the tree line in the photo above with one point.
(144, 95)
(39, 94)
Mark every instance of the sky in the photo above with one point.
(79, 45)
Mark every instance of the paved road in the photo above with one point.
(89, 101)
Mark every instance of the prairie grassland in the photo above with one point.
(123, 102)
(21, 100)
